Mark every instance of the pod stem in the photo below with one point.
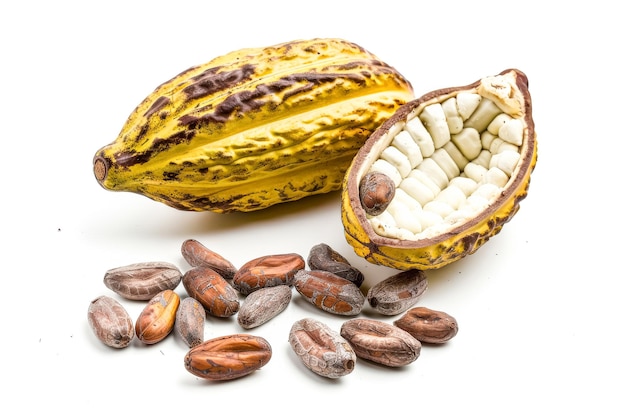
(100, 169)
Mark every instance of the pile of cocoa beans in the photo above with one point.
(256, 293)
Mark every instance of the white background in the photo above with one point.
(540, 307)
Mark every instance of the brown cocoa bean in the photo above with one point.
(428, 326)
(212, 291)
(157, 319)
(110, 322)
(381, 342)
(228, 357)
(329, 292)
(142, 281)
(321, 349)
(190, 320)
(196, 254)
(267, 271)
(323, 257)
(263, 305)
(397, 293)
(376, 190)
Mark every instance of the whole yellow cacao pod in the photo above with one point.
(254, 128)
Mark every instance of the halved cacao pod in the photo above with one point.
(460, 160)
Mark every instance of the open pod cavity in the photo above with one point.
(459, 160)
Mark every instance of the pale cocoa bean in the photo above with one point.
(329, 292)
(190, 320)
(196, 254)
(428, 326)
(397, 293)
(263, 305)
(381, 342)
(110, 322)
(157, 319)
(267, 271)
(228, 357)
(212, 291)
(376, 190)
(321, 349)
(142, 281)
(323, 257)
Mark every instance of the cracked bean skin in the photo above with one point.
(190, 320)
(216, 295)
(397, 293)
(228, 357)
(142, 281)
(381, 342)
(267, 271)
(263, 305)
(321, 349)
(329, 292)
(196, 254)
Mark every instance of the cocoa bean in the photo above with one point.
(323, 257)
(110, 322)
(428, 326)
(190, 320)
(142, 281)
(157, 319)
(196, 254)
(263, 305)
(267, 271)
(376, 190)
(212, 291)
(397, 293)
(228, 357)
(321, 349)
(381, 342)
(330, 292)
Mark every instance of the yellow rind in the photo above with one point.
(254, 128)
(439, 251)
(439, 255)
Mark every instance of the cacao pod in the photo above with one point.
(460, 160)
(254, 127)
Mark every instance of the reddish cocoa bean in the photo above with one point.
(212, 291)
(267, 271)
